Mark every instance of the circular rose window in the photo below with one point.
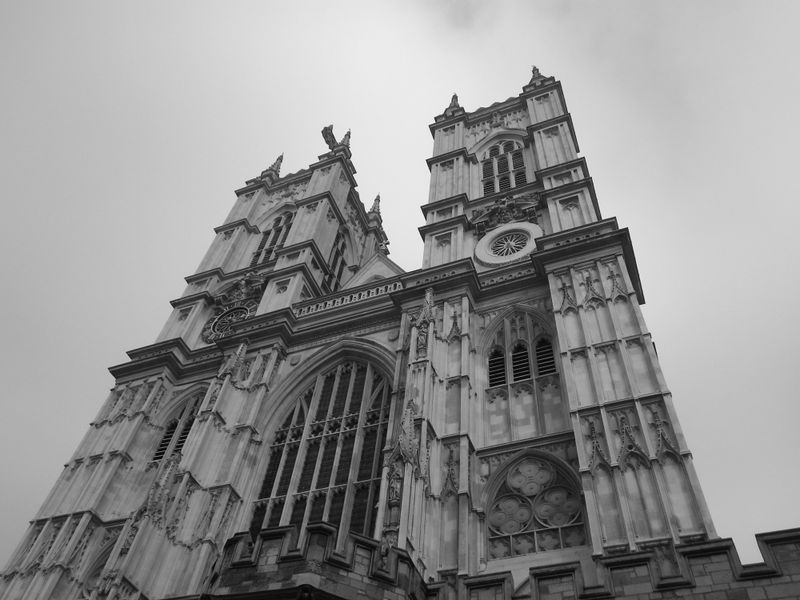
(507, 243)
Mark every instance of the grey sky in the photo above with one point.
(124, 129)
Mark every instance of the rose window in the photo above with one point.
(510, 514)
(536, 509)
(557, 506)
(509, 243)
(530, 477)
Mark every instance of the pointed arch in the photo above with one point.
(275, 227)
(533, 503)
(177, 419)
(521, 372)
(324, 441)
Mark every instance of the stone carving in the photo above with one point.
(388, 540)
(330, 139)
(455, 330)
(592, 296)
(162, 492)
(423, 322)
(453, 106)
(628, 445)
(567, 300)
(376, 205)
(407, 442)
(598, 454)
(274, 168)
(395, 493)
(450, 485)
(236, 304)
(327, 135)
(497, 120)
(617, 290)
(663, 440)
(506, 210)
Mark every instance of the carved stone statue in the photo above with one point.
(327, 135)
(346, 139)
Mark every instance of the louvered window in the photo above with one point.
(273, 239)
(503, 168)
(333, 281)
(523, 395)
(497, 367)
(520, 363)
(177, 430)
(545, 360)
(325, 459)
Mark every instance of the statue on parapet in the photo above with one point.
(327, 135)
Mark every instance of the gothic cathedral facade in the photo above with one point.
(313, 422)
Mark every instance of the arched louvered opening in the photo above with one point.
(497, 367)
(272, 239)
(333, 472)
(503, 168)
(520, 362)
(177, 430)
(545, 359)
(169, 432)
(524, 397)
(333, 281)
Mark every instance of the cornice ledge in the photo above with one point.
(234, 224)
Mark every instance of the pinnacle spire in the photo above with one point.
(453, 106)
(376, 205)
(276, 166)
(273, 171)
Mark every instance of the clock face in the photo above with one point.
(507, 243)
(223, 322)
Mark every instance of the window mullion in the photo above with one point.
(288, 506)
(355, 461)
(332, 478)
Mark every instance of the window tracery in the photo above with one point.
(535, 508)
(503, 168)
(325, 458)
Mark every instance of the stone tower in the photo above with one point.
(313, 422)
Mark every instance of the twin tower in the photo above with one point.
(315, 423)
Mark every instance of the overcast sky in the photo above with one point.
(125, 128)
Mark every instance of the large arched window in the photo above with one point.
(503, 168)
(535, 508)
(523, 398)
(272, 239)
(325, 458)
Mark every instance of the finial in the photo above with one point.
(346, 139)
(536, 75)
(273, 171)
(448, 112)
(327, 135)
(376, 205)
(276, 166)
